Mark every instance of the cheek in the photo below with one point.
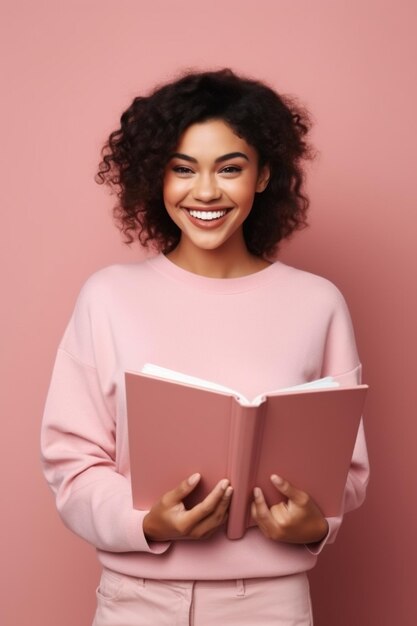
(244, 198)
(242, 191)
(174, 190)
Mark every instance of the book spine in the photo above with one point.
(242, 454)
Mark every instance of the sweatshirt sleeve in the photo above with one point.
(78, 448)
(342, 362)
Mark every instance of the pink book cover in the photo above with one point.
(175, 430)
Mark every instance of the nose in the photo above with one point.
(206, 188)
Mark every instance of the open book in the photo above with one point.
(179, 425)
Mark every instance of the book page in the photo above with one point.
(328, 382)
(179, 377)
(174, 376)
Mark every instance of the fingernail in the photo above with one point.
(277, 479)
(224, 483)
(228, 492)
(193, 479)
(257, 492)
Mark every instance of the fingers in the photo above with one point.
(298, 520)
(205, 516)
(169, 519)
(298, 496)
(263, 516)
(214, 505)
(177, 495)
(206, 527)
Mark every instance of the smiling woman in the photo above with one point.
(210, 198)
(208, 171)
(272, 129)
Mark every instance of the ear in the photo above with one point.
(263, 178)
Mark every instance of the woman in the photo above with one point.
(208, 172)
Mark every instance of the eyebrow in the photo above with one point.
(224, 157)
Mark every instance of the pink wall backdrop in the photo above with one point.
(69, 69)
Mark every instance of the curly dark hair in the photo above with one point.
(135, 155)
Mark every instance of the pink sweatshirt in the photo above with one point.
(275, 328)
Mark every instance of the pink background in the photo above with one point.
(70, 69)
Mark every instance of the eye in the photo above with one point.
(231, 169)
(182, 170)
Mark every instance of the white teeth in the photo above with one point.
(207, 215)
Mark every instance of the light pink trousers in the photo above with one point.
(126, 601)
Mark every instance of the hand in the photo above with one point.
(169, 519)
(298, 520)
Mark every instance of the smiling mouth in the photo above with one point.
(207, 216)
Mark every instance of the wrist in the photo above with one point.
(147, 528)
(323, 534)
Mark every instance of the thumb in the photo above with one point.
(183, 489)
(287, 489)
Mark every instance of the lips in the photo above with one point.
(207, 218)
(207, 215)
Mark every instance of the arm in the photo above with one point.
(341, 361)
(78, 455)
(92, 497)
(299, 520)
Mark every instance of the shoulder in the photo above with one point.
(107, 281)
(309, 286)
(100, 304)
(112, 274)
(321, 302)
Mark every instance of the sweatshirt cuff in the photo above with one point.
(334, 525)
(137, 537)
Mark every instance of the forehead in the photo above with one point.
(212, 138)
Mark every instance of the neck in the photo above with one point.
(231, 261)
